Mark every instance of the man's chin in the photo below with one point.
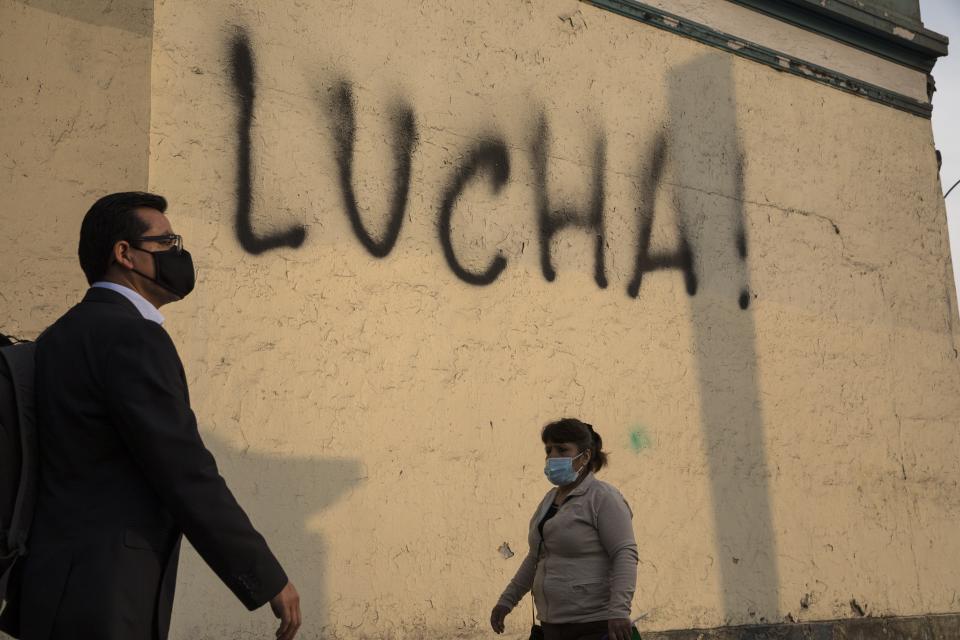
(163, 296)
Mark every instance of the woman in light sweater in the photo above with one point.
(582, 563)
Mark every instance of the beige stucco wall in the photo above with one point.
(379, 417)
(74, 117)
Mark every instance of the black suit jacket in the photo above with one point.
(123, 473)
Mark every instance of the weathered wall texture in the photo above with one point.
(751, 302)
(74, 118)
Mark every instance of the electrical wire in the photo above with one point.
(951, 189)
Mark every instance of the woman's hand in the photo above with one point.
(497, 615)
(619, 629)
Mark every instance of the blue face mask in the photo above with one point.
(560, 471)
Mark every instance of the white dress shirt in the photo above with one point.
(147, 310)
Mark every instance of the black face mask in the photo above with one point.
(174, 270)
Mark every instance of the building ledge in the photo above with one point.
(869, 27)
(882, 86)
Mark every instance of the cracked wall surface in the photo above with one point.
(784, 455)
(75, 96)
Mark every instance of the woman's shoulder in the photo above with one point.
(604, 487)
(604, 491)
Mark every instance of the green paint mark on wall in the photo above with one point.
(639, 439)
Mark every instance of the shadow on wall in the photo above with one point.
(281, 495)
(135, 16)
(706, 160)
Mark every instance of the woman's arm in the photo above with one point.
(519, 586)
(522, 581)
(615, 527)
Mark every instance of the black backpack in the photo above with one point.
(18, 455)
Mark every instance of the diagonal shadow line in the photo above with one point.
(282, 495)
(135, 16)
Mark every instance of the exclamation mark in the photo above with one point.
(742, 251)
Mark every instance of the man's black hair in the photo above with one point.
(111, 219)
(5, 340)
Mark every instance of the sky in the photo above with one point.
(943, 16)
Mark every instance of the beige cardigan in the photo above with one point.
(587, 565)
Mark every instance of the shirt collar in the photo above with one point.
(147, 310)
(585, 484)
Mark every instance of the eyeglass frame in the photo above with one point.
(166, 239)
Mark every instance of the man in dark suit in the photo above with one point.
(123, 471)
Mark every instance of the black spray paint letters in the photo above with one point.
(551, 221)
(682, 258)
(404, 140)
(492, 157)
(488, 158)
(744, 299)
(244, 79)
(741, 233)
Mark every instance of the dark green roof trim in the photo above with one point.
(774, 59)
(884, 33)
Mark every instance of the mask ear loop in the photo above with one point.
(156, 267)
(584, 464)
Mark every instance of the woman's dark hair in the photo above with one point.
(580, 434)
(111, 219)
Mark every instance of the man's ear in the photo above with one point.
(121, 254)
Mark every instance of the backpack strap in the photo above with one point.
(20, 360)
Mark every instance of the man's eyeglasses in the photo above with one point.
(170, 241)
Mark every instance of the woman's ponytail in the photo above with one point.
(599, 459)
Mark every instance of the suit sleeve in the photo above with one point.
(147, 394)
